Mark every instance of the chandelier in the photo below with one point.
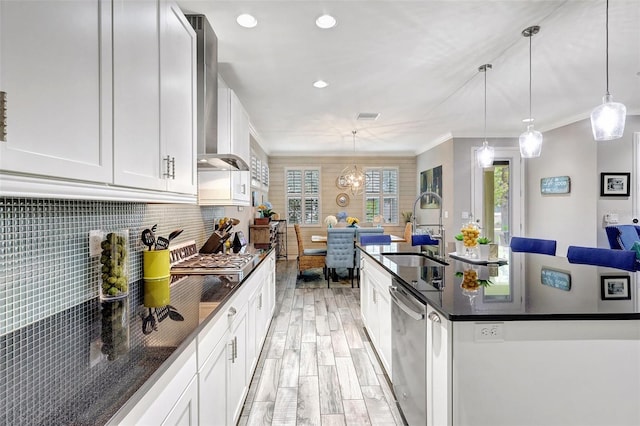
(353, 177)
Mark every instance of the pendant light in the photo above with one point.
(486, 154)
(353, 177)
(531, 139)
(607, 120)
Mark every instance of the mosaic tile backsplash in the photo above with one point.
(49, 287)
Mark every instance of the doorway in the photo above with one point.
(497, 202)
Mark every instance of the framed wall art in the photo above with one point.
(614, 184)
(555, 185)
(615, 287)
(431, 180)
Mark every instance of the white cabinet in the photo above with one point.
(212, 380)
(171, 400)
(178, 100)
(55, 66)
(233, 126)
(136, 95)
(101, 97)
(185, 411)
(153, 94)
(224, 187)
(229, 345)
(228, 187)
(376, 308)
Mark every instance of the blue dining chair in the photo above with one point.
(619, 259)
(622, 237)
(533, 245)
(341, 251)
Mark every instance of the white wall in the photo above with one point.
(571, 219)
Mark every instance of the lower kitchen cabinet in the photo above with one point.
(172, 399)
(376, 308)
(185, 412)
(212, 382)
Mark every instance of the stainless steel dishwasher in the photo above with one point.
(409, 364)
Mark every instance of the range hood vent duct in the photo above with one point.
(207, 100)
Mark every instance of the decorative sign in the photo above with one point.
(556, 279)
(555, 185)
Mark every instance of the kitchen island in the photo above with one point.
(534, 341)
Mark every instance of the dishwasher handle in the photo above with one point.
(403, 303)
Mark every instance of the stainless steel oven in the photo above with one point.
(408, 356)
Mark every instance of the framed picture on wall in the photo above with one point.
(614, 184)
(431, 180)
(615, 287)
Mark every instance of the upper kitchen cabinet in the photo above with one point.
(233, 125)
(101, 98)
(154, 97)
(178, 100)
(55, 68)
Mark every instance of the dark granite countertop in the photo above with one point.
(115, 373)
(503, 293)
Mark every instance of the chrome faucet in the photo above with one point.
(440, 226)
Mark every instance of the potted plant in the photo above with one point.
(459, 244)
(265, 214)
(483, 247)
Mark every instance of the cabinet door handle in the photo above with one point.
(434, 317)
(232, 359)
(374, 295)
(244, 188)
(3, 116)
(260, 301)
(231, 312)
(171, 167)
(235, 348)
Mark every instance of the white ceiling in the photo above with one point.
(416, 63)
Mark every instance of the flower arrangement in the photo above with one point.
(407, 216)
(330, 221)
(352, 221)
(341, 216)
(265, 209)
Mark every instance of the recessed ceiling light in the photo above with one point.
(320, 84)
(326, 21)
(246, 20)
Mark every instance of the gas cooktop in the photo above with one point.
(187, 261)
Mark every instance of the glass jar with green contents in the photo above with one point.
(114, 265)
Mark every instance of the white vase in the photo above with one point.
(483, 251)
(459, 248)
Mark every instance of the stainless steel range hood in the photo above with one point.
(209, 157)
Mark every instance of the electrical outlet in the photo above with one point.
(493, 332)
(95, 239)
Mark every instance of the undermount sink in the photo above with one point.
(411, 259)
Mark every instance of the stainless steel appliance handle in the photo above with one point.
(231, 312)
(434, 317)
(403, 303)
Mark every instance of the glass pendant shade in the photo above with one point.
(485, 155)
(607, 119)
(355, 179)
(530, 143)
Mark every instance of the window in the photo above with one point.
(381, 195)
(303, 196)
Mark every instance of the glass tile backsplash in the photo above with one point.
(49, 287)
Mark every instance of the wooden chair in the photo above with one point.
(407, 232)
(308, 258)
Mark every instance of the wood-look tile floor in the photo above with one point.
(317, 366)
